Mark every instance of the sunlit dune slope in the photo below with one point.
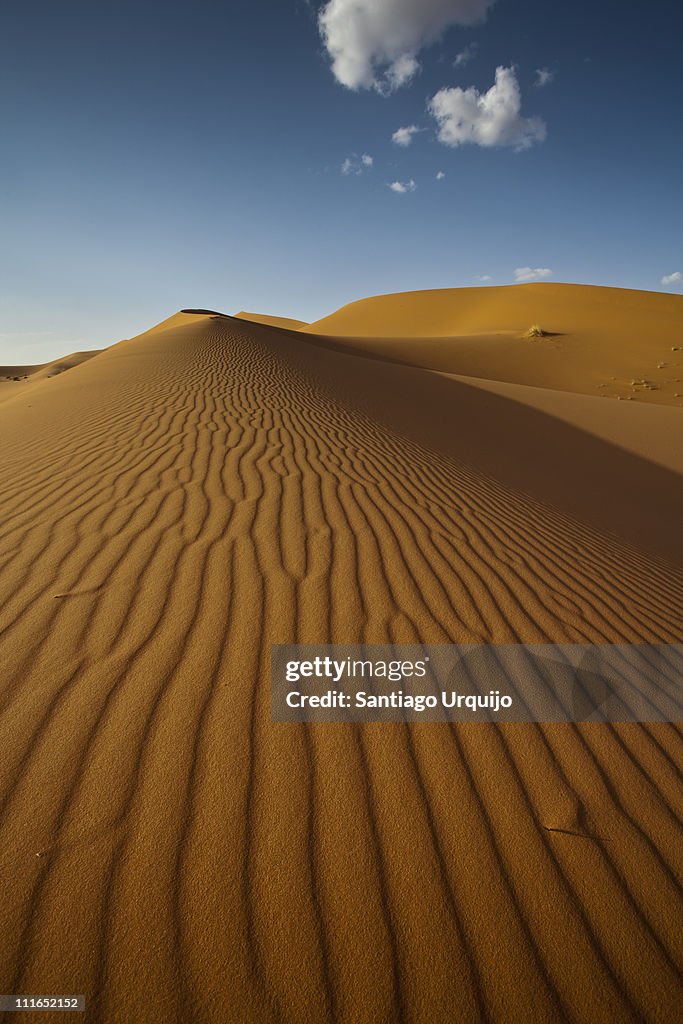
(189, 497)
(273, 321)
(611, 342)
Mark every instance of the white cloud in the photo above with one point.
(675, 278)
(373, 44)
(465, 56)
(486, 119)
(356, 165)
(484, 278)
(544, 76)
(525, 274)
(404, 136)
(440, 175)
(403, 186)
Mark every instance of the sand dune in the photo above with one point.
(213, 486)
(272, 321)
(599, 341)
(42, 371)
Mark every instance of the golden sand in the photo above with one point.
(272, 321)
(608, 342)
(11, 376)
(175, 505)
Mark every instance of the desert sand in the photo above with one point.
(610, 342)
(11, 376)
(272, 321)
(179, 502)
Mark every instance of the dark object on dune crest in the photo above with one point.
(203, 312)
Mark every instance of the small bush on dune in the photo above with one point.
(535, 331)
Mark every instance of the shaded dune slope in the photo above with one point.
(195, 494)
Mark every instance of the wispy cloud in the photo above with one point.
(373, 44)
(492, 118)
(465, 56)
(544, 76)
(400, 73)
(404, 136)
(357, 164)
(403, 186)
(526, 274)
(675, 278)
(440, 175)
(483, 278)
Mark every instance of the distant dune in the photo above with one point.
(598, 341)
(43, 371)
(185, 499)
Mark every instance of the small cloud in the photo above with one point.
(525, 274)
(491, 118)
(483, 278)
(356, 165)
(404, 136)
(440, 175)
(675, 278)
(544, 76)
(465, 56)
(403, 186)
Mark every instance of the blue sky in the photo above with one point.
(157, 156)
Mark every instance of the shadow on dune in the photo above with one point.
(554, 462)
